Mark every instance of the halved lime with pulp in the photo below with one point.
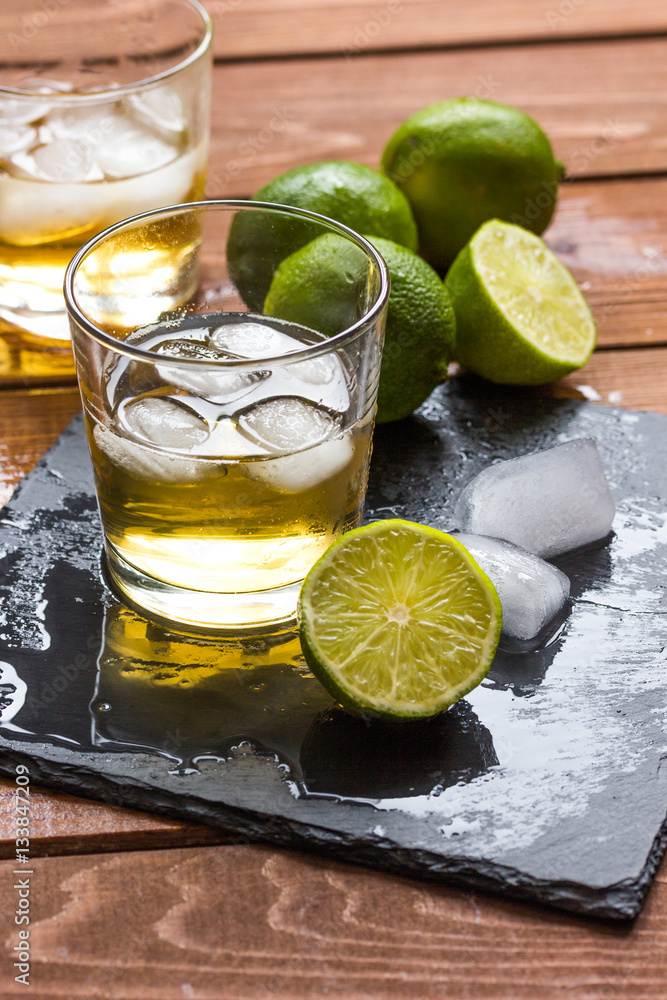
(520, 317)
(398, 620)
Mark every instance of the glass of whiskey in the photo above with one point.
(230, 443)
(104, 113)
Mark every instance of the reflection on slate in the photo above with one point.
(187, 698)
(370, 759)
(546, 783)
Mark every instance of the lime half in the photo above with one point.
(520, 317)
(398, 620)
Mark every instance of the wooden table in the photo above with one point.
(132, 907)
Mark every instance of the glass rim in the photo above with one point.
(99, 96)
(242, 364)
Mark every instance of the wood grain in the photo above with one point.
(246, 28)
(251, 922)
(62, 824)
(30, 421)
(602, 104)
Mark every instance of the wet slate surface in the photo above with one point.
(549, 782)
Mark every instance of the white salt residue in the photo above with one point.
(638, 530)
(22, 604)
(13, 690)
(559, 747)
(457, 825)
(40, 609)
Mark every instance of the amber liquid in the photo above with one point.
(226, 515)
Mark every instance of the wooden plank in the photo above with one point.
(602, 104)
(225, 923)
(632, 379)
(613, 237)
(30, 421)
(62, 824)
(246, 29)
(269, 27)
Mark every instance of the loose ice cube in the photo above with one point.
(14, 138)
(163, 422)
(548, 502)
(294, 425)
(531, 591)
(144, 462)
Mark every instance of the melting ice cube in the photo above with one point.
(133, 150)
(217, 386)
(144, 462)
(121, 145)
(162, 108)
(15, 138)
(253, 340)
(163, 422)
(63, 161)
(22, 111)
(294, 425)
(531, 591)
(286, 424)
(548, 502)
(321, 380)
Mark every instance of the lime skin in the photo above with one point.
(352, 193)
(465, 160)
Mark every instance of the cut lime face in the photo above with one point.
(534, 291)
(520, 316)
(398, 620)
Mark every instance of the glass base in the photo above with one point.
(232, 614)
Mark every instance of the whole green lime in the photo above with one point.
(465, 160)
(322, 286)
(351, 193)
(419, 340)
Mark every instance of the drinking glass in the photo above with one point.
(230, 446)
(104, 113)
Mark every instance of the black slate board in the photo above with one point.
(549, 782)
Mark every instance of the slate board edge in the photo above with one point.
(619, 903)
